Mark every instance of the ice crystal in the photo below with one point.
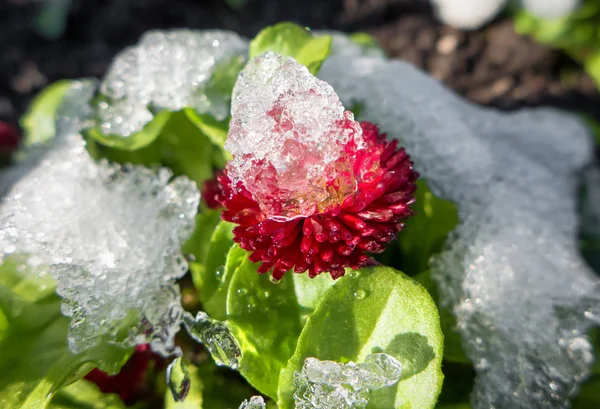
(215, 336)
(512, 273)
(110, 235)
(166, 70)
(287, 135)
(332, 385)
(255, 402)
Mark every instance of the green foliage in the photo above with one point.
(85, 395)
(375, 310)
(36, 360)
(265, 319)
(39, 122)
(291, 40)
(177, 144)
(426, 231)
(577, 34)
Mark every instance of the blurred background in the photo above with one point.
(496, 65)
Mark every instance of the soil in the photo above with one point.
(493, 66)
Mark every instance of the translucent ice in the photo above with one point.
(332, 385)
(110, 234)
(166, 70)
(255, 402)
(288, 136)
(215, 336)
(178, 379)
(512, 273)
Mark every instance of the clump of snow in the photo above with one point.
(287, 133)
(332, 385)
(166, 70)
(512, 273)
(110, 235)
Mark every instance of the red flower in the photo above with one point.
(9, 138)
(131, 382)
(339, 235)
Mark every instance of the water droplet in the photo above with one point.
(215, 336)
(220, 273)
(242, 291)
(274, 280)
(178, 379)
(360, 294)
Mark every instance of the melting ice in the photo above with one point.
(255, 402)
(332, 385)
(110, 234)
(166, 70)
(512, 272)
(288, 130)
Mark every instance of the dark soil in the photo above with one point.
(493, 66)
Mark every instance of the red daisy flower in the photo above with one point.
(131, 381)
(9, 138)
(337, 235)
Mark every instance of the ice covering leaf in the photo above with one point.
(111, 236)
(375, 310)
(166, 72)
(513, 276)
(292, 40)
(35, 360)
(265, 319)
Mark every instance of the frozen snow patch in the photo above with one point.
(110, 234)
(512, 273)
(166, 70)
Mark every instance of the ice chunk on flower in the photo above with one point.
(332, 385)
(289, 137)
(255, 402)
(111, 236)
(166, 70)
(512, 273)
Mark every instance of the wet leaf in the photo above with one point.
(289, 39)
(375, 310)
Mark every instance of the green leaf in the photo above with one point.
(198, 243)
(588, 397)
(180, 146)
(36, 360)
(221, 387)
(85, 395)
(265, 320)
(453, 350)
(375, 310)
(426, 232)
(366, 41)
(214, 272)
(310, 291)
(289, 39)
(136, 141)
(39, 122)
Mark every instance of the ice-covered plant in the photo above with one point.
(308, 216)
